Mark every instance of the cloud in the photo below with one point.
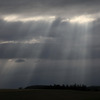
(80, 19)
(47, 51)
(45, 7)
(14, 18)
(20, 60)
(22, 31)
(56, 40)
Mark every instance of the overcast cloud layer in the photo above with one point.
(41, 42)
(38, 7)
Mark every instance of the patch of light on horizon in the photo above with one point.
(83, 19)
(15, 18)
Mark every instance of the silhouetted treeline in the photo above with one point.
(69, 87)
(66, 87)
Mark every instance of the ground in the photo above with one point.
(48, 95)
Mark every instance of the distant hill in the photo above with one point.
(67, 87)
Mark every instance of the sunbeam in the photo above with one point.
(49, 42)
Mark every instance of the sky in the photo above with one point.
(45, 42)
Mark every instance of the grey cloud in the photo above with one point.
(55, 7)
(47, 51)
(22, 31)
(68, 41)
(20, 60)
(26, 31)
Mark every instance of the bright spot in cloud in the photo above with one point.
(10, 18)
(6, 42)
(15, 18)
(32, 41)
(80, 19)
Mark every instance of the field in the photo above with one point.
(48, 95)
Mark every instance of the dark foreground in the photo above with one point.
(48, 95)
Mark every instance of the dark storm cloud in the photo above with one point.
(37, 7)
